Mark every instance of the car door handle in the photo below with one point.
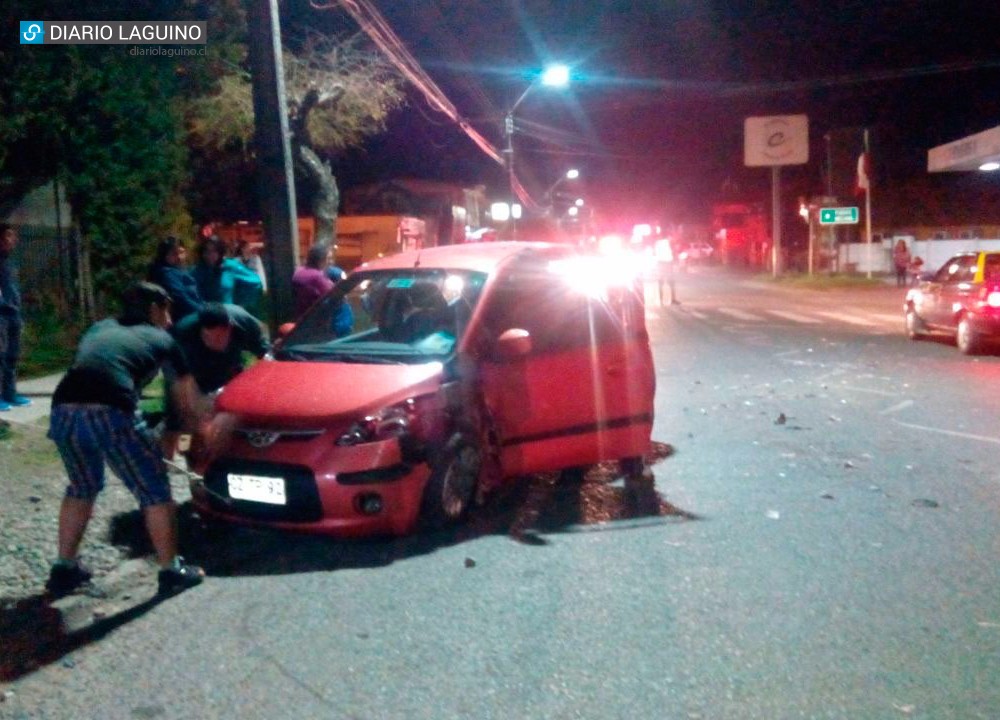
(616, 369)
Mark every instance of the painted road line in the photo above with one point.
(849, 319)
(698, 314)
(883, 393)
(896, 408)
(952, 433)
(794, 317)
(739, 314)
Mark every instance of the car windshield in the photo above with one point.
(388, 316)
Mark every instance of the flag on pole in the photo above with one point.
(863, 184)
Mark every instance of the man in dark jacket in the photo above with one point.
(10, 322)
(213, 341)
(94, 421)
(169, 271)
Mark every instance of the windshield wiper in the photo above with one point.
(358, 358)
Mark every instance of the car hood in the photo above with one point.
(298, 394)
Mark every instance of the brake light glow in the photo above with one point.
(989, 297)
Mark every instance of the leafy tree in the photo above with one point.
(108, 124)
(338, 93)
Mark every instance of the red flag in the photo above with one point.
(863, 184)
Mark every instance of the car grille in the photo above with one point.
(261, 438)
(300, 490)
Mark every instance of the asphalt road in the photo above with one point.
(826, 548)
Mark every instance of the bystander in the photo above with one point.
(11, 322)
(94, 421)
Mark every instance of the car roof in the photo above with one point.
(481, 257)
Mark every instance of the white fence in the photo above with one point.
(854, 257)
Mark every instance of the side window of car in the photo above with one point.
(967, 270)
(991, 268)
(557, 315)
(956, 269)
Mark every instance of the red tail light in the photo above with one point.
(990, 296)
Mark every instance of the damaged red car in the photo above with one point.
(424, 380)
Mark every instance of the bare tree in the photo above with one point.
(338, 93)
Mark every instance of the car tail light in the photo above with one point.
(990, 296)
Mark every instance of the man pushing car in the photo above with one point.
(94, 421)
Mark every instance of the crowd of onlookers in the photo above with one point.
(195, 325)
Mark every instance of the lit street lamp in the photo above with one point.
(571, 174)
(554, 76)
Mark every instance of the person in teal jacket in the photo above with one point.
(217, 275)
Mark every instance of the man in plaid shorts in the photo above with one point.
(94, 421)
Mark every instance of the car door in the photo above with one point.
(951, 287)
(580, 390)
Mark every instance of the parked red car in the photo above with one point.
(425, 379)
(962, 298)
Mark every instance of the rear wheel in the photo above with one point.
(915, 327)
(968, 340)
(452, 484)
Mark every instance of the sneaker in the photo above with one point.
(18, 401)
(64, 579)
(4, 405)
(179, 578)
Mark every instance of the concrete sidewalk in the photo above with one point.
(40, 391)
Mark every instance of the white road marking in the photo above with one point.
(849, 319)
(739, 314)
(883, 393)
(696, 314)
(897, 407)
(794, 317)
(952, 433)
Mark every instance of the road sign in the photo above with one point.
(838, 216)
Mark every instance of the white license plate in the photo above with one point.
(257, 488)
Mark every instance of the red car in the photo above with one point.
(425, 379)
(962, 298)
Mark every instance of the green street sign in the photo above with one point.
(838, 216)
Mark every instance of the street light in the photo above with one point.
(553, 76)
(571, 174)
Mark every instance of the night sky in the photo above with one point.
(654, 118)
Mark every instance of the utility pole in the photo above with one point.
(275, 177)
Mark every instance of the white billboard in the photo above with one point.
(776, 140)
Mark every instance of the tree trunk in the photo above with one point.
(326, 199)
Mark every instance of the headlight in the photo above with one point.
(390, 422)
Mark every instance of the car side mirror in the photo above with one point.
(514, 343)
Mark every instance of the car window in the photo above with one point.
(557, 312)
(991, 267)
(961, 268)
(404, 315)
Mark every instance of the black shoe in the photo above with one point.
(177, 579)
(64, 579)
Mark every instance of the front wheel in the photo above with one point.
(968, 340)
(452, 484)
(915, 327)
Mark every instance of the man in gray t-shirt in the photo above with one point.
(94, 422)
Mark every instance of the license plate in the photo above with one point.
(257, 488)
